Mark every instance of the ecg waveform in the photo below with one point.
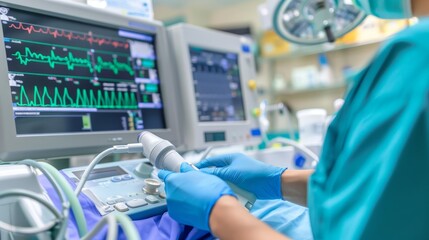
(71, 61)
(84, 99)
(61, 33)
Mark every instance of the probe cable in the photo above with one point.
(112, 221)
(298, 146)
(30, 230)
(64, 201)
(130, 148)
(74, 201)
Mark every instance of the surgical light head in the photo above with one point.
(160, 152)
(315, 21)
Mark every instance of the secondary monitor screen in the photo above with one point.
(217, 85)
(69, 77)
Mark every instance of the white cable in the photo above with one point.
(299, 146)
(206, 153)
(30, 230)
(91, 166)
(113, 220)
(112, 227)
(128, 226)
(73, 200)
(130, 148)
(112, 234)
(65, 204)
(265, 138)
(264, 123)
(289, 121)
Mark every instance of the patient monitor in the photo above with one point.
(76, 80)
(213, 73)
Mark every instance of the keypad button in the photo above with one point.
(135, 203)
(152, 199)
(127, 177)
(108, 209)
(119, 200)
(116, 179)
(121, 207)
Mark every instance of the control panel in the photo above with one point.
(126, 186)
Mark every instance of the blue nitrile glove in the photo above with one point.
(249, 174)
(191, 195)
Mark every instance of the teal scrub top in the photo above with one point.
(372, 181)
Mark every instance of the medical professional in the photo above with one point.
(372, 181)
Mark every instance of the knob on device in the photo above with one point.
(151, 186)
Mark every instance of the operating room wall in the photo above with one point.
(353, 59)
(244, 13)
(233, 15)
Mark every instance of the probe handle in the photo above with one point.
(163, 155)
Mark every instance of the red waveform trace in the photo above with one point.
(70, 35)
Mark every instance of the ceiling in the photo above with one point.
(205, 4)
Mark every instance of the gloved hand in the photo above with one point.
(251, 175)
(191, 195)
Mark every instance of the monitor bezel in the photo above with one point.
(37, 146)
(184, 36)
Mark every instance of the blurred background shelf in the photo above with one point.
(312, 90)
(318, 49)
(279, 61)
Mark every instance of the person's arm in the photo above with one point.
(229, 220)
(206, 202)
(420, 7)
(265, 181)
(294, 185)
(251, 175)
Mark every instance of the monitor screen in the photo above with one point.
(66, 76)
(214, 69)
(217, 85)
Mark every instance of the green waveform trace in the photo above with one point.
(71, 62)
(84, 99)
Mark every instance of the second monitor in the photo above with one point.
(214, 69)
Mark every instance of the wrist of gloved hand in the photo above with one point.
(249, 174)
(191, 195)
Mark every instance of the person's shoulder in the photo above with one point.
(416, 35)
(393, 59)
(411, 43)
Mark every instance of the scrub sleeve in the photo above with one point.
(373, 178)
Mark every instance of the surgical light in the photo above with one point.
(311, 22)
